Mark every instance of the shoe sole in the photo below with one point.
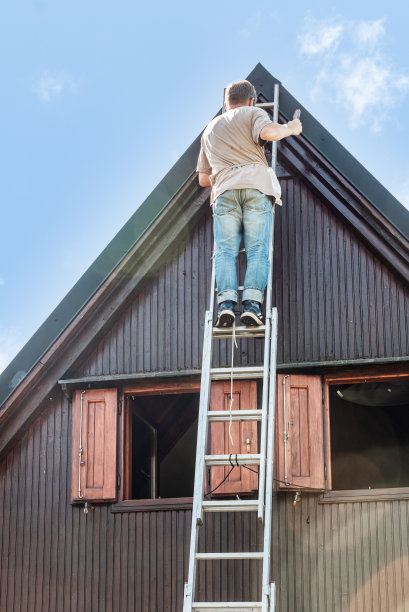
(250, 319)
(226, 319)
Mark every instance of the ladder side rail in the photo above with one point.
(267, 592)
(275, 119)
(264, 405)
(267, 341)
(202, 431)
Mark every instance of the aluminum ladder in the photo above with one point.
(264, 459)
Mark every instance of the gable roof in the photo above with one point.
(128, 237)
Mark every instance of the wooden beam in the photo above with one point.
(136, 378)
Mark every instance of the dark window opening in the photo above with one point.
(144, 438)
(370, 435)
(162, 431)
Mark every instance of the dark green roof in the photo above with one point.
(129, 235)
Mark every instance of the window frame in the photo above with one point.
(356, 495)
(145, 388)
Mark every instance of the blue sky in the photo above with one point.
(99, 99)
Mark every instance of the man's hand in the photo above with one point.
(278, 131)
(295, 127)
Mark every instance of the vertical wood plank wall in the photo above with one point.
(335, 300)
(326, 557)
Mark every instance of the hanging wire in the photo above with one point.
(220, 483)
(237, 464)
(233, 344)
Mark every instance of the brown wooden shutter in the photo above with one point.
(95, 478)
(302, 418)
(244, 436)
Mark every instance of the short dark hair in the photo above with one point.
(240, 92)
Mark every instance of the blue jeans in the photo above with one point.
(237, 213)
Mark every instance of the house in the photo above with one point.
(98, 411)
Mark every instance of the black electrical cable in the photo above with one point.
(220, 483)
(233, 465)
(289, 484)
(237, 464)
(250, 469)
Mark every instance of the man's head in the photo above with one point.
(241, 93)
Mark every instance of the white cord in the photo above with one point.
(233, 344)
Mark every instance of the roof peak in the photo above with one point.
(160, 197)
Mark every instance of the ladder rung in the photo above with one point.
(240, 332)
(241, 372)
(265, 105)
(229, 555)
(234, 606)
(235, 415)
(244, 505)
(239, 288)
(233, 459)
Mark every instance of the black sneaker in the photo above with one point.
(252, 314)
(225, 314)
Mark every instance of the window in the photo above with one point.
(340, 434)
(152, 430)
(369, 426)
(160, 431)
(160, 448)
(355, 438)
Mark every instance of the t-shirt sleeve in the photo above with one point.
(259, 120)
(203, 163)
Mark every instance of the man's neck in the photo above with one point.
(234, 106)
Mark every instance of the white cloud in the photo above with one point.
(353, 70)
(319, 36)
(368, 86)
(370, 31)
(402, 83)
(53, 85)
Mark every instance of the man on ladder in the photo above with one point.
(233, 163)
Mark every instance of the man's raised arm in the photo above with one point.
(277, 131)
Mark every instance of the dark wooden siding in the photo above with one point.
(335, 299)
(350, 557)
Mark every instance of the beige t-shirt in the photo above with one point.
(232, 153)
